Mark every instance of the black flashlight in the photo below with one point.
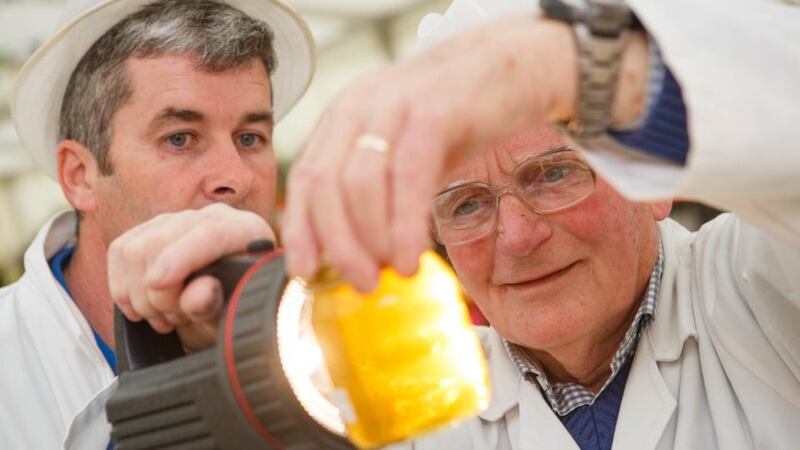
(256, 388)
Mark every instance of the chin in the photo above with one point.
(541, 329)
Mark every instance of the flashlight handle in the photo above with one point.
(138, 345)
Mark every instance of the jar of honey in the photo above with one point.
(403, 359)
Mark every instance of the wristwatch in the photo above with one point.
(600, 27)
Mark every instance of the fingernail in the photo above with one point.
(368, 285)
(161, 325)
(291, 264)
(407, 264)
(367, 280)
(132, 315)
(302, 267)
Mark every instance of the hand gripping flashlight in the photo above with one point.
(401, 361)
(257, 388)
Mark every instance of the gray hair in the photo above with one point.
(219, 36)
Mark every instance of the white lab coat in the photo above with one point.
(51, 365)
(718, 368)
(720, 365)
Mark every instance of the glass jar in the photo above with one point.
(404, 359)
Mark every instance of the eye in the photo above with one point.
(463, 203)
(545, 174)
(554, 174)
(178, 139)
(250, 140)
(467, 207)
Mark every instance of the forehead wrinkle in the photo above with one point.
(533, 142)
(465, 172)
(496, 162)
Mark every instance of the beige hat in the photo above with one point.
(39, 89)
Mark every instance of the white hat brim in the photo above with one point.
(39, 89)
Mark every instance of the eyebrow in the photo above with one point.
(558, 149)
(457, 183)
(171, 114)
(257, 117)
(183, 115)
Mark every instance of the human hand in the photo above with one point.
(360, 193)
(148, 266)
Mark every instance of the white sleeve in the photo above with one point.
(738, 64)
(750, 293)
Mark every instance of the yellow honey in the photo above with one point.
(404, 359)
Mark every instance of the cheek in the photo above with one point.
(164, 191)
(612, 231)
(262, 195)
(606, 221)
(266, 180)
(473, 265)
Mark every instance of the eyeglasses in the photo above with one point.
(544, 184)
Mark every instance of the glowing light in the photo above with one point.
(301, 358)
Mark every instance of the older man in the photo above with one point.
(137, 109)
(600, 338)
(612, 326)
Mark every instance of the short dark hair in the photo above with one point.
(219, 36)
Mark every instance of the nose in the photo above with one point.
(228, 177)
(520, 231)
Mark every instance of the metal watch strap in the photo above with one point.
(600, 28)
(599, 60)
(600, 37)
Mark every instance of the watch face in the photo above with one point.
(606, 18)
(561, 10)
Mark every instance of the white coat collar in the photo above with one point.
(666, 344)
(505, 377)
(52, 237)
(674, 319)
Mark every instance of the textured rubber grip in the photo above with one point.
(258, 378)
(233, 396)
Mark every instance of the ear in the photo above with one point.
(77, 174)
(661, 209)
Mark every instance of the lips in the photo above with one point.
(541, 279)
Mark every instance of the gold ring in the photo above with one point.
(372, 142)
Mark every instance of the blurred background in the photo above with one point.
(353, 36)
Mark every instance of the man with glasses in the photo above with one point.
(567, 272)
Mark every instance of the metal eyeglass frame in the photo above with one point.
(512, 189)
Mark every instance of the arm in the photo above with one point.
(741, 92)
(365, 209)
(747, 293)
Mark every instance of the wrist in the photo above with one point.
(630, 97)
(558, 48)
(558, 64)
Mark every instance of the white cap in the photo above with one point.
(38, 92)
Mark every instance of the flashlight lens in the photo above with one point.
(301, 358)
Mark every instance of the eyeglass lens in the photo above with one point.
(546, 184)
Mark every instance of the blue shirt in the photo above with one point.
(57, 265)
(664, 131)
